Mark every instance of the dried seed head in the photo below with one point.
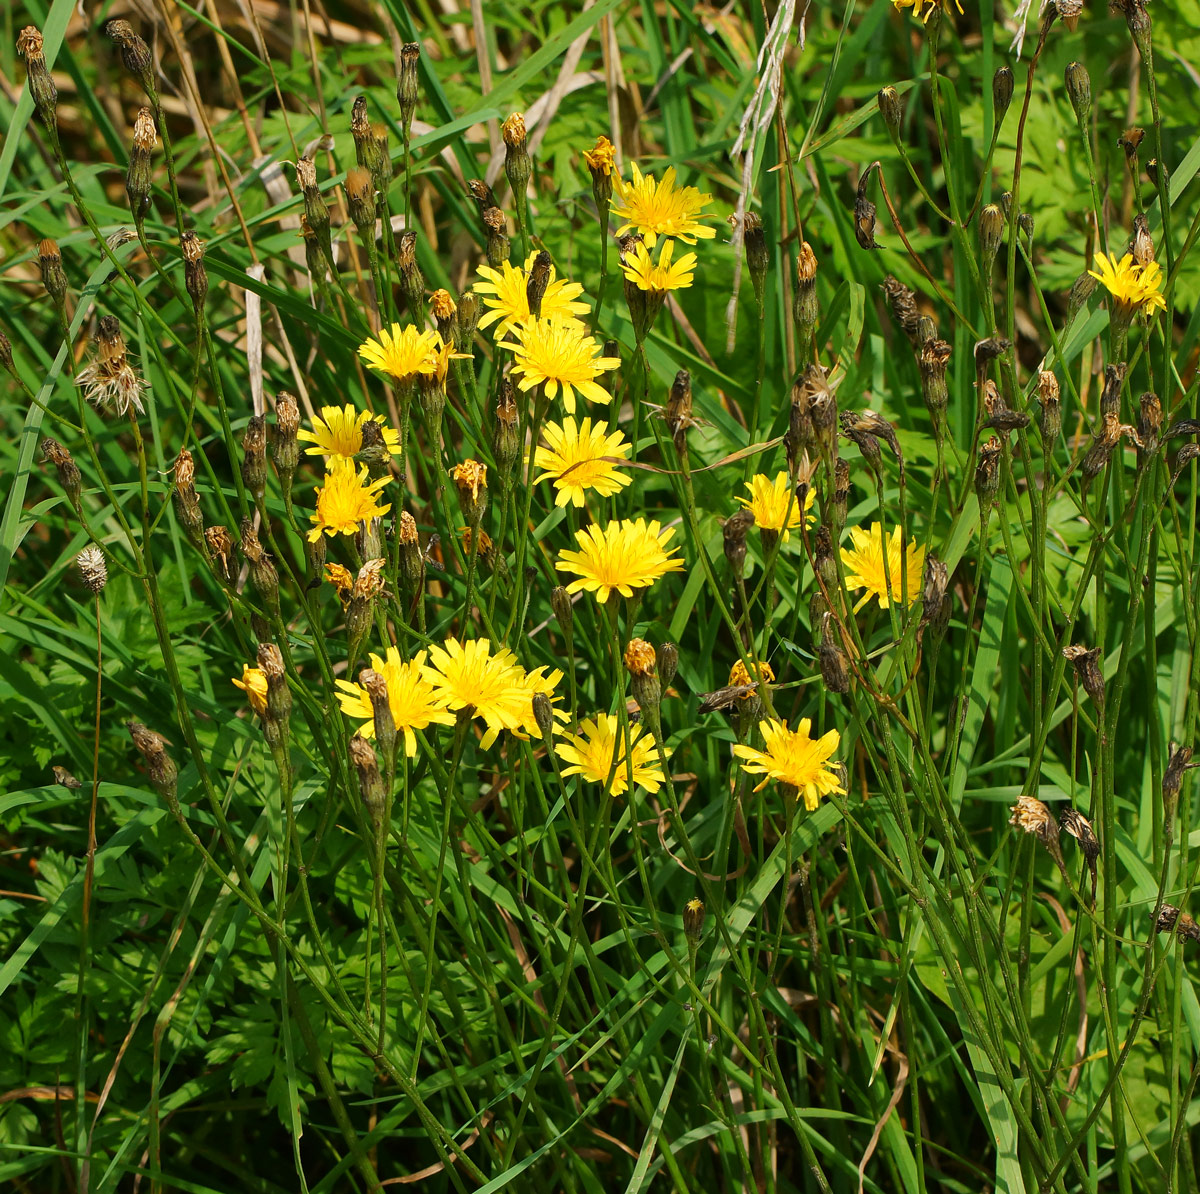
(41, 86)
(285, 450)
(135, 54)
(110, 380)
(1130, 141)
(902, 302)
(1003, 86)
(1087, 672)
(412, 559)
(1051, 408)
(195, 276)
(987, 473)
(481, 193)
(1068, 12)
(93, 568)
(160, 767)
(693, 920)
(678, 413)
(1032, 816)
(1103, 444)
(65, 779)
(1079, 89)
(408, 87)
(220, 546)
(1184, 926)
(69, 476)
(864, 219)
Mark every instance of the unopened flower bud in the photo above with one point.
(254, 456)
(137, 177)
(41, 85)
(54, 278)
(834, 663)
(1079, 89)
(693, 920)
(370, 782)
(279, 696)
(667, 660)
(804, 306)
(316, 211)
(263, 577)
(517, 165)
(560, 605)
(991, 234)
(892, 111)
(69, 476)
(543, 715)
(1082, 289)
(758, 257)
(195, 276)
(468, 318)
(408, 86)
(1003, 86)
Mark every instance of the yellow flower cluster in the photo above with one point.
(1134, 288)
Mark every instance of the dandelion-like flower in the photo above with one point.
(591, 752)
(505, 294)
(794, 758)
(346, 499)
(624, 555)
(740, 677)
(469, 676)
(660, 277)
(254, 684)
(924, 9)
(661, 208)
(865, 564)
(412, 698)
(601, 158)
(338, 431)
(401, 351)
(559, 353)
(579, 458)
(1133, 287)
(775, 505)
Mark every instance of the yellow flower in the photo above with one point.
(769, 502)
(346, 499)
(340, 577)
(1133, 287)
(254, 684)
(401, 351)
(556, 353)
(575, 459)
(338, 432)
(918, 5)
(864, 565)
(661, 209)
(625, 555)
(794, 758)
(509, 302)
(590, 754)
(658, 279)
(602, 158)
(740, 677)
(468, 676)
(411, 697)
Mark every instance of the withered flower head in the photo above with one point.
(69, 476)
(110, 380)
(481, 193)
(220, 545)
(902, 302)
(640, 657)
(1130, 141)
(41, 86)
(470, 479)
(135, 54)
(1110, 396)
(864, 217)
(1087, 671)
(987, 472)
(1032, 816)
(408, 88)
(737, 526)
(539, 279)
(1172, 918)
(1179, 760)
(1141, 245)
(806, 264)
(160, 767)
(54, 278)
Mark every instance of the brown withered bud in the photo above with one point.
(1141, 245)
(506, 438)
(1068, 11)
(892, 110)
(93, 568)
(988, 350)
(360, 199)
(41, 86)
(868, 446)
(987, 473)
(823, 561)
(1087, 671)
(823, 411)
(1104, 443)
(869, 422)
(69, 476)
(1003, 86)
(1171, 919)
(678, 412)
(6, 357)
(137, 177)
(758, 256)
(1149, 425)
(195, 276)
(110, 380)
(804, 306)
(1110, 396)
(482, 194)
(737, 526)
(254, 456)
(1130, 141)
(160, 767)
(381, 160)
(1138, 20)
(1004, 420)
(360, 130)
(412, 281)
(279, 696)
(316, 210)
(902, 303)
(385, 723)
(220, 549)
(1032, 816)
(841, 494)
(1080, 828)
(412, 558)
(932, 360)
(667, 659)
(1051, 408)
(495, 231)
(135, 54)
(934, 589)
(833, 661)
(65, 779)
(187, 501)
(539, 279)
(370, 782)
(517, 164)
(263, 577)
(1179, 761)
(1183, 427)
(368, 584)
(864, 218)
(1188, 454)
(408, 86)
(54, 278)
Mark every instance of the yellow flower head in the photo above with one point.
(342, 580)
(254, 684)
(337, 431)
(468, 676)
(602, 158)
(401, 351)
(1133, 287)
(794, 758)
(590, 754)
(554, 353)
(411, 697)
(504, 293)
(772, 501)
(346, 499)
(919, 5)
(740, 677)
(864, 564)
(442, 305)
(625, 555)
(658, 279)
(575, 458)
(661, 209)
